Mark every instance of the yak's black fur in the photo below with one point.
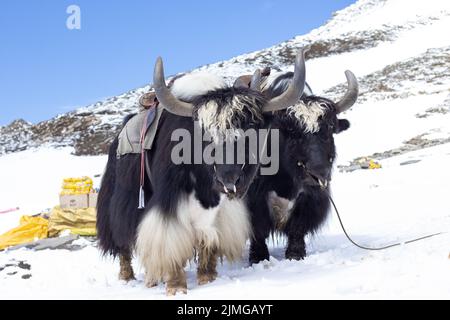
(311, 204)
(117, 212)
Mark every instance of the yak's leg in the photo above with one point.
(262, 224)
(176, 282)
(164, 245)
(296, 249)
(126, 270)
(150, 282)
(309, 213)
(207, 266)
(258, 251)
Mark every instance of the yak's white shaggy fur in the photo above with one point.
(233, 224)
(308, 114)
(164, 245)
(195, 84)
(280, 209)
(222, 123)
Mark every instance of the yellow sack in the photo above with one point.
(374, 165)
(74, 186)
(78, 221)
(30, 229)
(368, 163)
(84, 232)
(75, 180)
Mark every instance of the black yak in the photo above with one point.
(190, 206)
(295, 201)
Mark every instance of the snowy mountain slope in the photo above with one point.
(401, 54)
(380, 32)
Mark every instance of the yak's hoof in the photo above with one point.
(172, 291)
(151, 283)
(127, 275)
(126, 272)
(296, 254)
(258, 253)
(206, 278)
(255, 259)
(177, 284)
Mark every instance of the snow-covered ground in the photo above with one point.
(396, 203)
(392, 204)
(32, 180)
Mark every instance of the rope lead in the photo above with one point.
(376, 248)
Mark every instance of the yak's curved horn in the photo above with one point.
(165, 97)
(255, 83)
(295, 90)
(351, 95)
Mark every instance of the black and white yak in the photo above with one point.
(295, 202)
(192, 207)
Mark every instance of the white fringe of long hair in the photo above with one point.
(308, 114)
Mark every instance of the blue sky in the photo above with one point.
(47, 69)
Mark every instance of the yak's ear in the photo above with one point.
(342, 125)
(147, 100)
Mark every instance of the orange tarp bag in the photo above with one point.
(30, 229)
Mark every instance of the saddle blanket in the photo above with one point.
(130, 136)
